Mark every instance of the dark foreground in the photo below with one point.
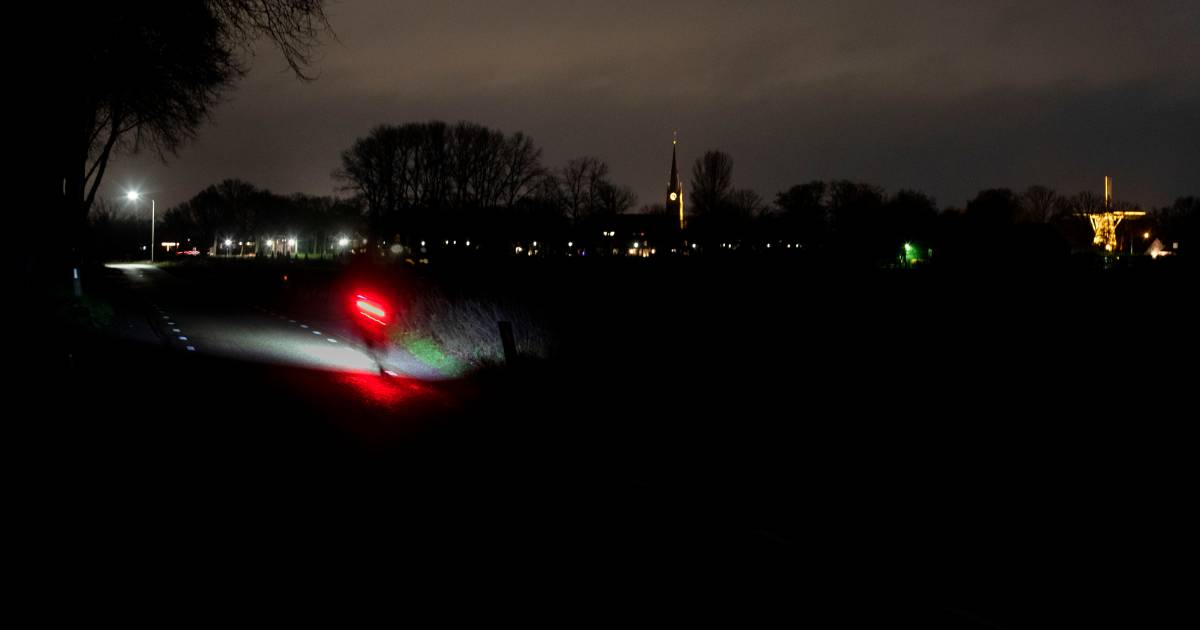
(949, 451)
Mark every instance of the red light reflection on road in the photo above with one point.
(387, 391)
(393, 408)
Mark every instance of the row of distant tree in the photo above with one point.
(405, 184)
(423, 177)
(433, 181)
(236, 211)
(863, 221)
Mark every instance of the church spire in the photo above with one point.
(675, 187)
(674, 167)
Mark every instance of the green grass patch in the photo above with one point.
(460, 333)
(429, 352)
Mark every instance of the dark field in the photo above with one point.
(988, 448)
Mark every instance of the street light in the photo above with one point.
(133, 196)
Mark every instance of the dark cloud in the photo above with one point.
(948, 97)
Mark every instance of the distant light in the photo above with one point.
(1145, 235)
(132, 195)
(228, 242)
(342, 242)
(422, 243)
(535, 243)
(270, 243)
(447, 242)
(468, 243)
(635, 245)
(768, 246)
(519, 249)
(396, 249)
(292, 242)
(570, 243)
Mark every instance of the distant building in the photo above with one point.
(1157, 249)
(639, 235)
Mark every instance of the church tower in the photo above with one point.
(675, 187)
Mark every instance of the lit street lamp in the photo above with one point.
(133, 196)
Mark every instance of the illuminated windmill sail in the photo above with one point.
(1105, 223)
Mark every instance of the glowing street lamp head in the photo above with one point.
(343, 242)
(133, 195)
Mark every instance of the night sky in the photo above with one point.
(948, 97)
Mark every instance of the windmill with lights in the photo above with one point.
(1105, 222)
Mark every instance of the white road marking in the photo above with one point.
(316, 332)
(182, 338)
(176, 330)
(304, 325)
(331, 340)
(191, 348)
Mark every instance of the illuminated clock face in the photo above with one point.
(674, 196)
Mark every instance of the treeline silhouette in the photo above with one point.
(861, 223)
(434, 189)
(254, 221)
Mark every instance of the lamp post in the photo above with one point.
(133, 196)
